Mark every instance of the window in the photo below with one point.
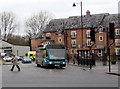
(100, 38)
(117, 42)
(100, 29)
(71, 51)
(88, 33)
(100, 53)
(73, 34)
(59, 39)
(88, 42)
(75, 51)
(117, 51)
(48, 35)
(117, 31)
(73, 43)
(47, 42)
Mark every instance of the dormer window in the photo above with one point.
(100, 30)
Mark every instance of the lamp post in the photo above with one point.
(74, 5)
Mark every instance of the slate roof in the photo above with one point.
(57, 25)
(110, 18)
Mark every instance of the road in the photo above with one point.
(71, 76)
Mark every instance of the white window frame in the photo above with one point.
(100, 38)
(71, 51)
(117, 50)
(73, 34)
(48, 34)
(117, 42)
(75, 51)
(88, 42)
(117, 31)
(88, 33)
(101, 30)
(73, 42)
(59, 39)
(100, 53)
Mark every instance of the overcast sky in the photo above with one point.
(59, 8)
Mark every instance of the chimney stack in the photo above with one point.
(88, 13)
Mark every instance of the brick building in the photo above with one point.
(75, 37)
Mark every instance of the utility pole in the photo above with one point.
(112, 36)
(81, 26)
(92, 35)
(74, 5)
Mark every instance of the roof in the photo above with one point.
(73, 22)
(55, 25)
(5, 44)
(110, 18)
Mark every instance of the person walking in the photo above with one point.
(15, 63)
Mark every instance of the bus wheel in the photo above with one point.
(38, 65)
(61, 67)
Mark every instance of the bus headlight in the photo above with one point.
(63, 62)
(50, 62)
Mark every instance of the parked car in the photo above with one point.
(19, 58)
(7, 58)
(26, 60)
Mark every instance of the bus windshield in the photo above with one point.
(56, 53)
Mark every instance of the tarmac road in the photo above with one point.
(71, 76)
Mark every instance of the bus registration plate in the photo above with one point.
(56, 62)
(56, 65)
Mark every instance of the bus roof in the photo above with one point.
(55, 46)
(51, 46)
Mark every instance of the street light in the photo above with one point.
(74, 5)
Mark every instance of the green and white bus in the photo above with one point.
(51, 55)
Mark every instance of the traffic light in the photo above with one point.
(92, 34)
(111, 30)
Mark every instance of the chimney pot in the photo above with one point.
(88, 13)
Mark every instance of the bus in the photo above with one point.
(51, 55)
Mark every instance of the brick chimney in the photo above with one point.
(88, 13)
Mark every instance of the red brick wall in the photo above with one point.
(78, 39)
(33, 44)
(54, 37)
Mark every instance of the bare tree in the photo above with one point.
(18, 40)
(8, 25)
(37, 23)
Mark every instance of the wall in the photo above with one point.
(20, 50)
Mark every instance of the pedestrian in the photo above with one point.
(67, 58)
(15, 63)
(73, 59)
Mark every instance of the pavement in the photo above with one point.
(99, 67)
